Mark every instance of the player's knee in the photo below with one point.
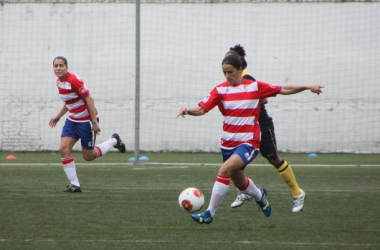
(64, 150)
(88, 157)
(225, 171)
(228, 169)
(276, 161)
(88, 154)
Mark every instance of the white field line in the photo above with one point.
(152, 167)
(207, 242)
(181, 165)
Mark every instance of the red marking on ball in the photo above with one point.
(198, 193)
(187, 205)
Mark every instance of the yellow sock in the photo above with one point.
(287, 175)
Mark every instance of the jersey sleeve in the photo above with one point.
(80, 88)
(268, 90)
(211, 100)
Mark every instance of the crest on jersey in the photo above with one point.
(206, 98)
(82, 90)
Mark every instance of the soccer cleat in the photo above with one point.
(240, 199)
(119, 144)
(73, 189)
(203, 218)
(264, 204)
(298, 202)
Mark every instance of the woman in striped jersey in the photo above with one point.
(81, 123)
(238, 100)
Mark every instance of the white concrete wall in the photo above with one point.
(337, 45)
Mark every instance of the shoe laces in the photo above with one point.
(262, 202)
(260, 206)
(206, 217)
(242, 197)
(297, 201)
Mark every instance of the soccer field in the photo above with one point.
(136, 207)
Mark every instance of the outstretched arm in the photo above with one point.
(294, 89)
(197, 111)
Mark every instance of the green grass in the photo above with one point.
(165, 157)
(136, 207)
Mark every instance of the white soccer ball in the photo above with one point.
(191, 200)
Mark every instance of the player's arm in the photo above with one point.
(294, 89)
(197, 111)
(53, 121)
(208, 103)
(264, 101)
(92, 110)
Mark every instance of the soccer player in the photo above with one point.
(268, 148)
(81, 123)
(238, 100)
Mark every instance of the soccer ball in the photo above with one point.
(191, 200)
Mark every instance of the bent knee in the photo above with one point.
(88, 157)
(276, 161)
(225, 170)
(64, 149)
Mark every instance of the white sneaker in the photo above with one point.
(298, 202)
(240, 199)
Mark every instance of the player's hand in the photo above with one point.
(96, 128)
(182, 113)
(316, 89)
(53, 121)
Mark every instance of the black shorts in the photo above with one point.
(268, 146)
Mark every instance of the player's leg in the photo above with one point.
(102, 148)
(289, 178)
(68, 139)
(287, 174)
(232, 168)
(268, 149)
(220, 188)
(245, 196)
(88, 138)
(244, 184)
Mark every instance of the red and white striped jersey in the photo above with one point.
(240, 106)
(73, 91)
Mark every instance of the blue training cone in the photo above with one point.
(144, 158)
